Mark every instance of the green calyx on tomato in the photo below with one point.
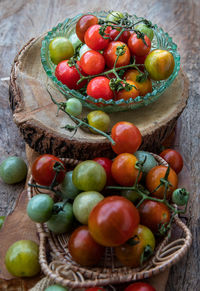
(13, 170)
(180, 196)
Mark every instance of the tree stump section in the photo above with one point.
(35, 114)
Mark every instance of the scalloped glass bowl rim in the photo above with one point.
(109, 105)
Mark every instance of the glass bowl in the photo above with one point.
(161, 40)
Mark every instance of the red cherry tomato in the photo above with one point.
(92, 62)
(113, 220)
(123, 37)
(140, 286)
(124, 171)
(153, 181)
(154, 214)
(43, 172)
(83, 249)
(93, 38)
(110, 54)
(126, 136)
(99, 88)
(69, 75)
(106, 164)
(174, 159)
(84, 23)
(140, 59)
(133, 93)
(137, 46)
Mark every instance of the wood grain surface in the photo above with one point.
(23, 19)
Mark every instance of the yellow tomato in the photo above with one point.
(99, 120)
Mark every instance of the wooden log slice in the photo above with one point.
(35, 114)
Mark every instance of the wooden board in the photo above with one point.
(35, 114)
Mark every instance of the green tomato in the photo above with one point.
(67, 187)
(149, 163)
(55, 288)
(89, 176)
(114, 16)
(180, 196)
(13, 170)
(84, 203)
(131, 195)
(146, 30)
(2, 218)
(99, 120)
(22, 259)
(83, 50)
(61, 222)
(73, 106)
(74, 40)
(60, 49)
(40, 208)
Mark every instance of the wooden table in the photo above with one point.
(23, 19)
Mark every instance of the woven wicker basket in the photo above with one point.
(58, 265)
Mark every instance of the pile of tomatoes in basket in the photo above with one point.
(121, 203)
(109, 59)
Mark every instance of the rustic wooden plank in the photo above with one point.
(22, 20)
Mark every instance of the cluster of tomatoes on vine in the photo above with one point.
(113, 59)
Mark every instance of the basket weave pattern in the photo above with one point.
(59, 266)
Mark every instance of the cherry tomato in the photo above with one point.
(174, 159)
(106, 164)
(123, 37)
(99, 120)
(137, 46)
(92, 62)
(13, 170)
(113, 220)
(73, 106)
(68, 189)
(43, 172)
(180, 197)
(150, 161)
(84, 23)
(144, 87)
(93, 38)
(126, 136)
(145, 29)
(74, 40)
(22, 259)
(60, 48)
(138, 249)
(154, 214)
(140, 286)
(99, 88)
(83, 249)
(89, 176)
(153, 180)
(110, 54)
(114, 16)
(68, 75)
(126, 95)
(159, 64)
(140, 60)
(124, 171)
(96, 289)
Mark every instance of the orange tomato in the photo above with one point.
(133, 93)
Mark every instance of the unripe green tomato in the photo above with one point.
(83, 50)
(159, 64)
(114, 16)
(55, 288)
(89, 176)
(99, 120)
(146, 30)
(22, 259)
(40, 207)
(180, 196)
(2, 218)
(13, 170)
(131, 195)
(61, 222)
(68, 188)
(73, 106)
(84, 203)
(74, 40)
(60, 49)
(149, 163)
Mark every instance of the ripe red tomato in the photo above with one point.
(43, 172)
(124, 171)
(137, 46)
(69, 75)
(99, 88)
(133, 93)
(84, 23)
(95, 289)
(113, 220)
(123, 37)
(154, 214)
(92, 62)
(140, 59)
(174, 159)
(93, 38)
(110, 54)
(106, 164)
(153, 180)
(140, 286)
(83, 249)
(126, 136)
